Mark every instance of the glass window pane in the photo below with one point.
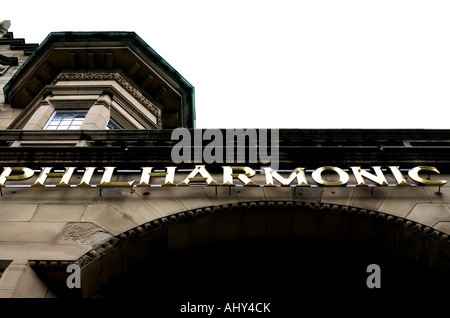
(113, 125)
(67, 119)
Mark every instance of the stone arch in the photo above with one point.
(338, 231)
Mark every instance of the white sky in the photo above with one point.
(282, 64)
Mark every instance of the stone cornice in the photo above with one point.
(297, 148)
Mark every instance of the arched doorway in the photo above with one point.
(267, 249)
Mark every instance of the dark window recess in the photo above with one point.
(113, 125)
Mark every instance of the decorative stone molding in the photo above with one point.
(84, 233)
(120, 80)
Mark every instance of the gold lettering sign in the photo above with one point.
(327, 176)
(106, 179)
(379, 178)
(242, 173)
(26, 173)
(414, 174)
(205, 177)
(298, 173)
(147, 174)
(343, 177)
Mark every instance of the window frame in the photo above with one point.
(85, 111)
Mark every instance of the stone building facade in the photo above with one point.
(83, 113)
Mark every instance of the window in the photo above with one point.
(113, 125)
(65, 120)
